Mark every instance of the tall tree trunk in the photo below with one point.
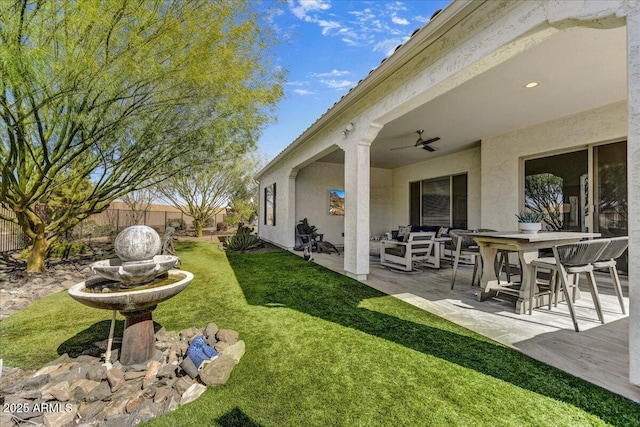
(198, 225)
(35, 261)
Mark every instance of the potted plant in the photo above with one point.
(529, 222)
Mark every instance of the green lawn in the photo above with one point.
(323, 349)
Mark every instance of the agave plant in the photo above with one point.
(529, 216)
(242, 242)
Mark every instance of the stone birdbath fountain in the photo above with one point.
(133, 284)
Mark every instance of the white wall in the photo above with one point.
(312, 199)
(467, 161)
(502, 177)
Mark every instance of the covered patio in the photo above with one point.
(511, 90)
(598, 354)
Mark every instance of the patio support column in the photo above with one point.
(356, 220)
(290, 220)
(633, 161)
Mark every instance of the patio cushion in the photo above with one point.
(403, 232)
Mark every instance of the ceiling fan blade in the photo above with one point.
(400, 148)
(426, 147)
(429, 141)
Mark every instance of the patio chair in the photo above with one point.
(616, 248)
(464, 245)
(313, 241)
(401, 255)
(303, 239)
(571, 258)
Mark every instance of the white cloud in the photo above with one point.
(332, 73)
(399, 21)
(301, 8)
(337, 84)
(388, 46)
(359, 27)
(302, 92)
(327, 26)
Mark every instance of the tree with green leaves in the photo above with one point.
(101, 98)
(203, 191)
(243, 203)
(543, 194)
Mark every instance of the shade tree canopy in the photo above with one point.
(101, 98)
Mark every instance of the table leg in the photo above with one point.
(526, 258)
(488, 279)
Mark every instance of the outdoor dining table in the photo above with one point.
(527, 246)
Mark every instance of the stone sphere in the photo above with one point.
(137, 243)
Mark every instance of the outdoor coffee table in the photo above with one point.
(527, 246)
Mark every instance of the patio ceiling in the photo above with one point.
(577, 71)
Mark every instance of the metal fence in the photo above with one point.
(11, 236)
(107, 223)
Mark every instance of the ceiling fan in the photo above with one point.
(424, 144)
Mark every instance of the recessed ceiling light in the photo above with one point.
(531, 84)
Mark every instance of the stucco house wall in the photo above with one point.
(312, 195)
(467, 161)
(502, 156)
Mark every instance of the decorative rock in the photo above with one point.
(100, 393)
(227, 335)
(209, 333)
(221, 346)
(133, 404)
(189, 333)
(91, 411)
(6, 420)
(161, 394)
(236, 351)
(86, 385)
(116, 379)
(26, 385)
(192, 393)
(218, 371)
(183, 384)
(132, 375)
(137, 243)
(98, 373)
(60, 418)
(88, 359)
(59, 392)
(121, 395)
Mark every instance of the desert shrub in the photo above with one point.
(177, 223)
(242, 242)
(61, 250)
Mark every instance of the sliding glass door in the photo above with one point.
(610, 189)
(557, 187)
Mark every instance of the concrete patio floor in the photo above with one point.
(598, 353)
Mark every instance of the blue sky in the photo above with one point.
(327, 46)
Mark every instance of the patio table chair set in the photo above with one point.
(568, 261)
(573, 259)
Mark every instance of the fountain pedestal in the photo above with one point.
(138, 339)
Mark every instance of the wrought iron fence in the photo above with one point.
(107, 223)
(11, 236)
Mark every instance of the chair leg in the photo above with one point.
(532, 289)
(456, 260)
(477, 270)
(591, 279)
(613, 271)
(564, 285)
